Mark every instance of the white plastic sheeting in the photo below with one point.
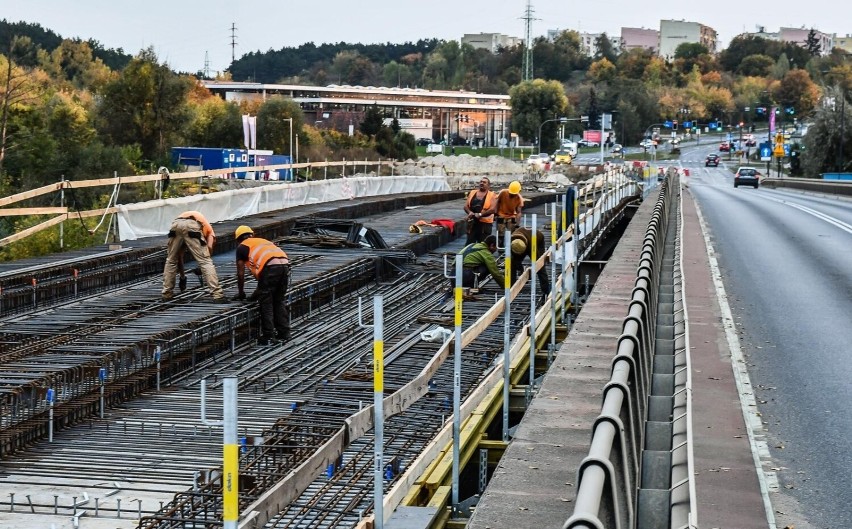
(152, 218)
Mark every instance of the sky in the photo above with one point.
(185, 32)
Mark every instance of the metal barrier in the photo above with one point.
(834, 187)
(608, 477)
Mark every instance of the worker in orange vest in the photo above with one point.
(191, 230)
(480, 207)
(270, 266)
(510, 205)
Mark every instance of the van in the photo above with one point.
(571, 147)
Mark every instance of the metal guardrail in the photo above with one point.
(608, 478)
(834, 187)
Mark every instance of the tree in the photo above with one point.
(781, 67)
(274, 124)
(373, 121)
(215, 123)
(756, 66)
(18, 88)
(534, 102)
(601, 71)
(147, 105)
(820, 153)
(812, 44)
(604, 49)
(798, 91)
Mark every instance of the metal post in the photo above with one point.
(564, 255)
(533, 256)
(62, 205)
(378, 396)
(157, 354)
(553, 251)
(576, 248)
(231, 454)
(457, 379)
(51, 397)
(507, 305)
(102, 377)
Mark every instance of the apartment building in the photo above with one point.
(673, 33)
(799, 36)
(490, 41)
(589, 43)
(641, 38)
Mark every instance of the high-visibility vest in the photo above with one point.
(486, 204)
(260, 252)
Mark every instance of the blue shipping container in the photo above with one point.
(275, 159)
(204, 158)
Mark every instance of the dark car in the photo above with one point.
(712, 159)
(424, 141)
(747, 176)
(751, 143)
(724, 147)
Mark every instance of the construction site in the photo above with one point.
(112, 397)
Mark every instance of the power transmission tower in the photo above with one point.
(206, 65)
(528, 44)
(233, 42)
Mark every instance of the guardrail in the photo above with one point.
(609, 476)
(834, 187)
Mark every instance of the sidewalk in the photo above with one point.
(727, 482)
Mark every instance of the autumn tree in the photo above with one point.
(798, 91)
(19, 89)
(812, 43)
(756, 65)
(274, 124)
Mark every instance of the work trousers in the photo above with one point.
(187, 233)
(477, 231)
(518, 269)
(271, 295)
(503, 224)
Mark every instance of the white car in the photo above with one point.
(588, 143)
(647, 143)
(537, 161)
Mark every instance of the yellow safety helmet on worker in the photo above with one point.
(515, 187)
(243, 230)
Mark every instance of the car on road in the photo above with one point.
(724, 147)
(712, 159)
(747, 176)
(424, 141)
(562, 156)
(647, 143)
(588, 143)
(569, 146)
(538, 162)
(751, 142)
(617, 150)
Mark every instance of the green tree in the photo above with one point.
(147, 105)
(782, 66)
(822, 141)
(604, 49)
(215, 123)
(756, 66)
(534, 102)
(20, 88)
(812, 44)
(373, 121)
(274, 125)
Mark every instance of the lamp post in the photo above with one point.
(560, 120)
(290, 121)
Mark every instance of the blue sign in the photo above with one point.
(765, 151)
(667, 124)
(786, 149)
(687, 124)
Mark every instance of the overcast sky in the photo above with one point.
(182, 31)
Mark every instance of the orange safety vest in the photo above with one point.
(486, 204)
(260, 252)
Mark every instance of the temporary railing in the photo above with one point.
(608, 476)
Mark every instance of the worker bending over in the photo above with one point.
(191, 230)
(521, 249)
(478, 260)
(270, 266)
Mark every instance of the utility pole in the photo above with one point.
(528, 45)
(233, 42)
(206, 65)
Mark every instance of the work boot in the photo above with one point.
(283, 335)
(266, 340)
(167, 296)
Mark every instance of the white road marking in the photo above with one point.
(822, 216)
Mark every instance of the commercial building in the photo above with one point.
(673, 33)
(490, 41)
(436, 114)
(640, 38)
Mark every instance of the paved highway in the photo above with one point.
(786, 264)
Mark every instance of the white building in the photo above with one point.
(673, 33)
(490, 41)
(589, 46)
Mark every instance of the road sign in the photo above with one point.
(786, 149)
(584, 119)
(778, 151)
(765, 152)
(667, 124)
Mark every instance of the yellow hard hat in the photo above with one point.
(515, 187)
(519, 246)
(242, 230)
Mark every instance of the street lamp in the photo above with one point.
(560, 120)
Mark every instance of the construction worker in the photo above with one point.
(521, 246)
(480, 207)
(510, 204)
(191, 230)
(478, 260)
(270, 266)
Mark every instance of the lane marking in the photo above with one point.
(822, 216)
(754, 426)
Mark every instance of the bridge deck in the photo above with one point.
(534, 484)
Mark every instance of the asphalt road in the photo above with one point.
(786, 263)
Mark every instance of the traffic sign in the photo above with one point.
(778, 151)
(667, 124)
(765, 152)
(786, 149)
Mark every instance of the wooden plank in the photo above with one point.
(32, 193)
(34, 229)
(13, 212)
